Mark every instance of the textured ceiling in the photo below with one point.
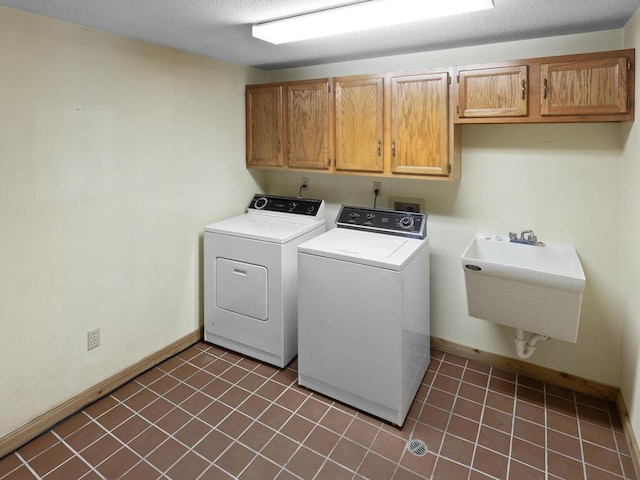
(222, 28)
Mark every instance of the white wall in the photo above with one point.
(114, 155)
(629, 235)
(561, 180)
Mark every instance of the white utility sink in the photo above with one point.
(529, 287)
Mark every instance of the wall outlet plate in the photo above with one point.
(93, 339)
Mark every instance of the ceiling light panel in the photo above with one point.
(361, 16)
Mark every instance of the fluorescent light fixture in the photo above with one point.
(361, 16)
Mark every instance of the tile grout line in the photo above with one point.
(456, 396)
(368, 448)
(107, 433)
(584, 463)
(438, 457)
(615, 442)
(546, 430)
(77, 454)
(340, 437)
(484, 404)
(26, 464)
(513, 425)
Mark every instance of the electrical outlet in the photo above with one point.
(377, 186)
(93, 339)
(305, 183)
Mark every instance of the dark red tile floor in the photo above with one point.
(209, 413)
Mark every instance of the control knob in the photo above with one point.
(260, 203)
(406, 222)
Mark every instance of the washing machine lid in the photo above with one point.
(366, 248)
(266, 228)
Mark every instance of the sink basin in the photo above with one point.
(534, 288)
(554, 264)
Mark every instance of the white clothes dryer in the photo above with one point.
(250, 276)
(363, 310)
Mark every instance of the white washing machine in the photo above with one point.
(363, 310)
(250, 276)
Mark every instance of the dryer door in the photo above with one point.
(241, 288)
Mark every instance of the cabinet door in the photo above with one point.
(308, 142)
(359, 115)
(264, 126)
(420, 124)
(493, 92)
(584, 87)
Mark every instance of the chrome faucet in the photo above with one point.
(529, 239)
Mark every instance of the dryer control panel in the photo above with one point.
(378, 220)
(293, 205)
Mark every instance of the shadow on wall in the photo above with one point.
(441, 197)
(555, 137)
(335, 189)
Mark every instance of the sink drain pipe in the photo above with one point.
(525, 348)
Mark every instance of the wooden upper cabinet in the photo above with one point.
(420, 124)
(307, 120)
(586, 86)
(359, 123)
(406, 124)
(264, 126)
(493, 92)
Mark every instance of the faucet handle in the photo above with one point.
(530, 237)
(513, 236)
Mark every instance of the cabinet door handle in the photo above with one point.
(524, 93)
(288, 148)
(393, 149)
(545, 82)
(279, 147)
(379, 147)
